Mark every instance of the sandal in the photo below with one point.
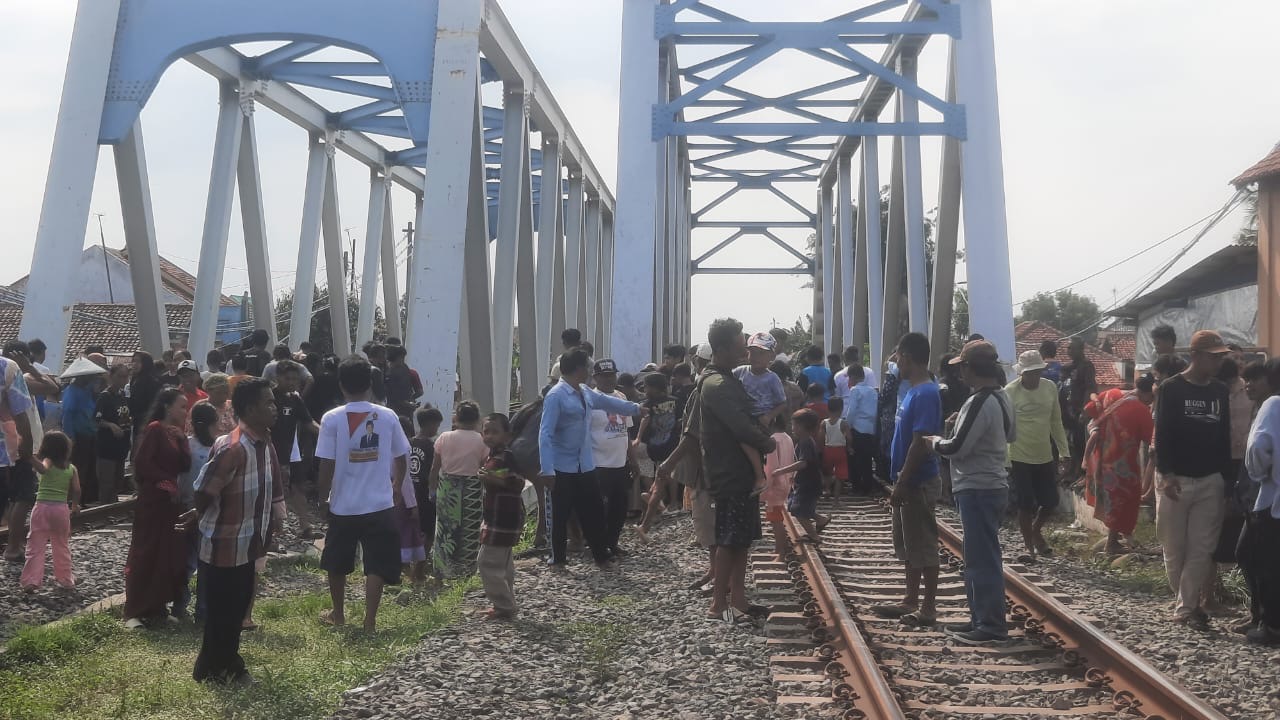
(734, 616)
(917, 619)
(892, 612)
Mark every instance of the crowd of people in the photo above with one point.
(727, 430)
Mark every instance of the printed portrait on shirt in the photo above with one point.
(366, 449)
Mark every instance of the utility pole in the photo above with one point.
(106, 266)
(352, 257)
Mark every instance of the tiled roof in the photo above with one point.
(115, 327)
(1124, 345)
(179, 281)
(1267, 167)
(1029, 335)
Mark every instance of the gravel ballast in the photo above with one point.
(624, 644)
(1239, 679)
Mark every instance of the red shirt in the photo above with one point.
(820, 408)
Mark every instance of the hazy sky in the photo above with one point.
(1123, 121)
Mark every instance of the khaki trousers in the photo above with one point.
(497, 569)
(1188, 529)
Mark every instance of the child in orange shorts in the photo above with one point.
(776, 492)
(835, 454)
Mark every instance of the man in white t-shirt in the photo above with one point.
(853, 356)
(613, 454)
(363, 457)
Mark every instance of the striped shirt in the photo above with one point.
(242, 479)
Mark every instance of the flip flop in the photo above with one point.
(734, 616)
(892, 612)
(326, 617)
(249, 626)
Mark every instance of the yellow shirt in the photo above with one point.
(1039, 419)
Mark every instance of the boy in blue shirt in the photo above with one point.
(816, 372)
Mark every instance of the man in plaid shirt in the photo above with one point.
(239, 495)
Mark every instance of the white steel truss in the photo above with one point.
(714, 133)
(474, 170)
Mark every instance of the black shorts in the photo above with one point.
(1036, 486)
(737, 520)
(426, 510)
(377, 535)
(803, 502)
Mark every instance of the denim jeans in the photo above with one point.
(980, 515)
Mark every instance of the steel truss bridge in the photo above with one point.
(493, 264)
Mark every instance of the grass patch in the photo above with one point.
(1140, 573)
(90, 668)
(617, 602)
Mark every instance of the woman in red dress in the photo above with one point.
(1113, 470)
(155, 571)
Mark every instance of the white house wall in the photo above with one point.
(91, 281)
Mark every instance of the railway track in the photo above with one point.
(95, 516)
(831, 652)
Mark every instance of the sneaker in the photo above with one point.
(1262, 635)
(978, 637)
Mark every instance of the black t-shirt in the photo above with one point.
(662, 429)
(291, 411)
(422, 452)
(398, 383)
(1193, 428)
(256, 360)
(809, 478)
(113, 407)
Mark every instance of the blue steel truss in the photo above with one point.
(710, 104)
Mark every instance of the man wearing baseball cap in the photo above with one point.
(980, 484)
(1193, 452)
(189, 382)
(1033, 475)
(613, 453)
(765, 389)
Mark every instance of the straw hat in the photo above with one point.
(82, 367)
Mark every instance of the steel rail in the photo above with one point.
(94, 513)
(1155, 695)
(871, 695)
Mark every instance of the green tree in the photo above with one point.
(1248, 232)
(959, 318)
(1065, 310)
(321, 327)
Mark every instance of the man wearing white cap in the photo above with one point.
(1033, 474)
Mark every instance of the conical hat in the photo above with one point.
(82, 367)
